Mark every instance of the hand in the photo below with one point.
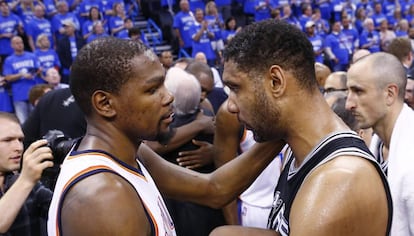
(180, 40)
(2, 81)
(197, 158)
(35, 159)
(206, 122)
(27, 76)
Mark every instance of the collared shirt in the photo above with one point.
(31, 220)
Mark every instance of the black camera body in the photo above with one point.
(60, 144)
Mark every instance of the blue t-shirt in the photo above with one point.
(202, 45)
(47, 59)
(8, 24)
(337, 43)
(40, 26)
(25, 63)
(317, 44)
(368, 37)
(183, 22)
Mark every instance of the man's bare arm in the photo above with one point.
(214, 189)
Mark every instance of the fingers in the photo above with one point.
(200, 143)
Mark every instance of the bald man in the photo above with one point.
(336, 81)
(376, 85)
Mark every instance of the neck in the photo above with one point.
(107, 138)
(384, 127)
(304, 136)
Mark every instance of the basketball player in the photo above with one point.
(330, 184)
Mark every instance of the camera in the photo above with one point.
(60, 144)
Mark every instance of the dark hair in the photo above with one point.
(134, 31)
(273, 42)
(103, 64)
(226, 25)
(37, 91)
(90, 13)
(400, 47)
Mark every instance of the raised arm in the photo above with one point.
(33, 165)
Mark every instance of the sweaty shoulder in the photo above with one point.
(344, 196)
(103, 204)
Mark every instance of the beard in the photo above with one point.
(165, 137)
(265, 120)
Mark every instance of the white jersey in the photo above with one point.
(80, 165)
(260, 192)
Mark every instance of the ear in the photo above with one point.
(277, 80)
(391, 94)
(103, 103)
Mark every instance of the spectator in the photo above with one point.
(336, 48)
(47, 56)
(118, 22)
(202, 36)
(60, 18)
(402, 49)
(94, 16)
(166, 59)
(37, 26)
(37, 91)
(316, 40)
(370, 38)
(24, 201)
(336, 81)
(10, 26)
(183, 22)
(409, 92)
(376, 85)
(52, 77)
(201, 57)
(68, 47)
(98, 31)
(20, 70)
(230, 30)
(216, 24)
(402, 28)
(386, 35)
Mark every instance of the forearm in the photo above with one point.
(14, 77)
(12, 201)
(215, 189)
(230, 213)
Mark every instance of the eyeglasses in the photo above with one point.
(330, 90)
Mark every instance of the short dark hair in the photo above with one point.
(104, 64)
(273, 42)
(400, 47)
(196, 68)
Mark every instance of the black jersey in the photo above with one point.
(291, 178)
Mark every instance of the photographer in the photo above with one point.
(24, 201)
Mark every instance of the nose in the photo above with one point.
(350, 103)
(168, 98)
(231, 106)
(17, 145)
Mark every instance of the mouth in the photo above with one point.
(168, 118)
(16, 159)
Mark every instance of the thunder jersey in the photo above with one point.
(79, 165)
(291, 178)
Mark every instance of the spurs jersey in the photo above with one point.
(377, 147)
(291, 178)
(80, 165)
